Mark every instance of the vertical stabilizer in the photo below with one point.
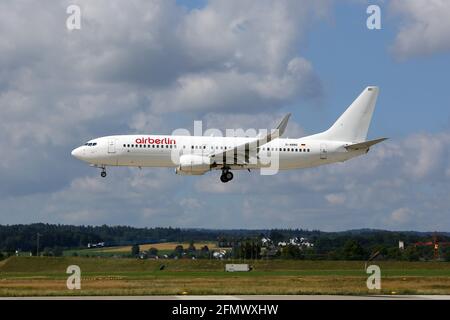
(354, 123)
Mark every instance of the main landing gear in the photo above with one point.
(226, 175)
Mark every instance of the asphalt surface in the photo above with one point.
(254, 297)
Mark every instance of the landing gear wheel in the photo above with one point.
(226, 175)
(103, 174)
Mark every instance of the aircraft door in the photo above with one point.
(111, 146)
(323, 151)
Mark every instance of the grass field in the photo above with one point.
(31, 276)
(163, 248)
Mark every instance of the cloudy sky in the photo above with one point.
(152, 66)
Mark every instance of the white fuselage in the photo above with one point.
(196, 155)
(159, 151)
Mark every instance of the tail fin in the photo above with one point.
(354, 123)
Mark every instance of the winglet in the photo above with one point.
(283, 124)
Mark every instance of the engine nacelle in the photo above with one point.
(192, 164)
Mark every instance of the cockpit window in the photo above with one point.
(90, 144)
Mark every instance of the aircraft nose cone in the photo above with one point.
(76, 153)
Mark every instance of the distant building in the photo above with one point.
(96, 245)
(401, 245)
(300, 242)
(265, 242)
(219, 254)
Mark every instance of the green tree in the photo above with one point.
(394, 253)
(191, 247)
(178, 250)
(291, 252)
(353, 250)
(411, 254)
(135, 250)
(276, 236)
(47, 252)
(250, 249)
(446, 254)
(58, 251)
(153, 251)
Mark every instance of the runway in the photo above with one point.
(242, 298)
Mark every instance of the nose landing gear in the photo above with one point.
(226, 175)
(103, 173)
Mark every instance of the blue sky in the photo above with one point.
(155, 66)
(348, 55)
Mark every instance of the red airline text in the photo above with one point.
(155, 141)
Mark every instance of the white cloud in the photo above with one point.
(363, 192)
(401, 215)
(235, 64)
(129, 66)
(335, 199)
(425, 28)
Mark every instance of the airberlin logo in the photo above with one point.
(155, 141)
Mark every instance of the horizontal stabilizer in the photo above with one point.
(365, 144)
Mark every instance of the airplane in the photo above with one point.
(196, 155)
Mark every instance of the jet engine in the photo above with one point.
(192, 164)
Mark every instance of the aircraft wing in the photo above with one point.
(243, 150)
(365, 144)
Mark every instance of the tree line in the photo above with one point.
(245, 244)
